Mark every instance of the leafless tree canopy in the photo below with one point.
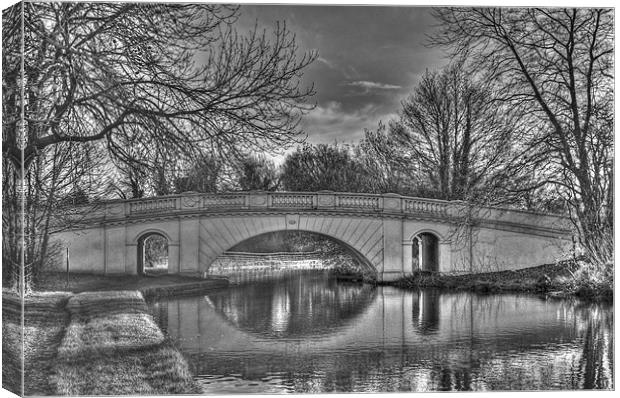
(173, 77)
(556, 66)
(455, 133)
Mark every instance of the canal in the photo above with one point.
(305, 332)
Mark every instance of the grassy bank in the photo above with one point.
(112, 346)
(44, 324)
(93, 343)
(149, 286)
(560, 279)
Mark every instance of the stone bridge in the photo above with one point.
(394, 235)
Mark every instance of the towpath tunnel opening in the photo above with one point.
(425, 252)
(152, 254)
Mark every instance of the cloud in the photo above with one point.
(331, 122)
(326, 62)
(373, 85)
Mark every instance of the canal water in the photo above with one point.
(304, 332)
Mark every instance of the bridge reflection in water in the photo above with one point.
(306, 333)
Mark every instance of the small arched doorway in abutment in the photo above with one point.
(152, 254)
(425, 252)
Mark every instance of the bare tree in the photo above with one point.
(138, 78)
(556, 67)
(165, 73)
(456, 135)
(382, 160)
(62, 176)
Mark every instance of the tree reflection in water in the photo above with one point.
(425, 311)
(299, 304)
(307, 333)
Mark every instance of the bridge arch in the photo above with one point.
(362, 236)
(365, 264)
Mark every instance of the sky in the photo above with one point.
(370, 59)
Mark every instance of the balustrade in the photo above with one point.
(292, 200)
(152, 205)
(223, 201)
(358, 201)
(426, 206)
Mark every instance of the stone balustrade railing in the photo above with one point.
(389, 204)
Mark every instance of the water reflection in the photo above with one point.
(425, 311)
(307, 333)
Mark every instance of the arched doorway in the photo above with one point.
(152, 254)
(425, 252)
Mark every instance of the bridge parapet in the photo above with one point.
(387, 204)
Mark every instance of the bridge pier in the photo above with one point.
(445, 256)
(392, 250)
(407, 257)
(189, 257)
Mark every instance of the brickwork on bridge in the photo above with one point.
(379, 229)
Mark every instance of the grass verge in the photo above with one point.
(149, 285)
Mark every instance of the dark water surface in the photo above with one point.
(307, 333)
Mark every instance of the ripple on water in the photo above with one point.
(225, 384)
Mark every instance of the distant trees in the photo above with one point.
(203, 175)
(256, 172)
(323, 167)
(556, 67)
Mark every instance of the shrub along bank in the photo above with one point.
(566, 278)
(93, 343)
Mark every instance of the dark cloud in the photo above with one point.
(370, 58)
